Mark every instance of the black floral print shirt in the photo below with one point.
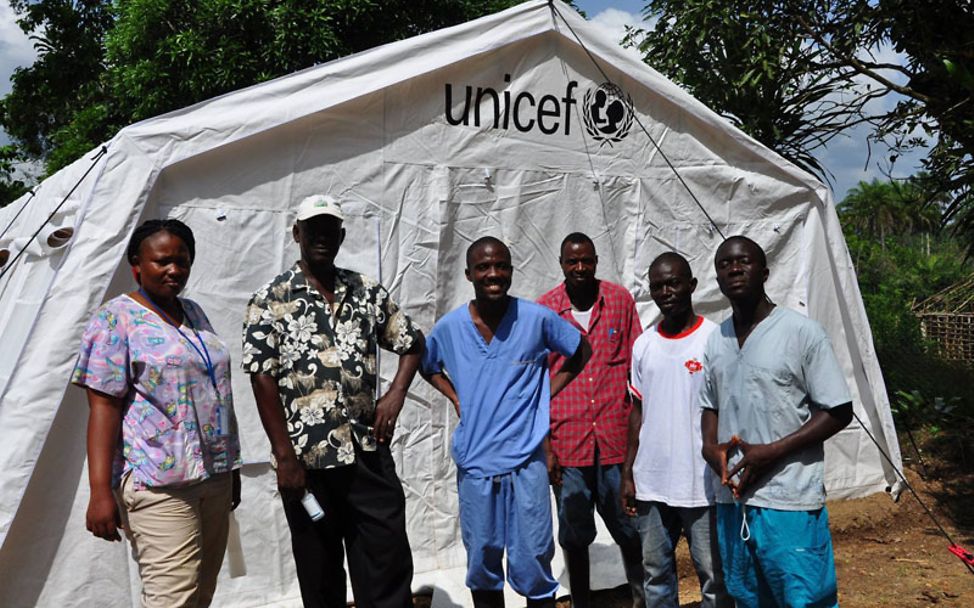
(324, 358)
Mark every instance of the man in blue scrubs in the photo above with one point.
(489, 358)
(772, 393)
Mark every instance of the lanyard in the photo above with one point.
(204, 353)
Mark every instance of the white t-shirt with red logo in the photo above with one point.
(667, 373)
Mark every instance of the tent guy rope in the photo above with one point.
(19, 211)
(94, 161)
(965, 556)
(639, 122)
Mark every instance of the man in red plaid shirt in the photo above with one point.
(587, 444)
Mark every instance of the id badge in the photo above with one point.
(223, 420)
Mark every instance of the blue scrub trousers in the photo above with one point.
(786, 560)
(509, 512)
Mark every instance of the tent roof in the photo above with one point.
(221, 121)
(218, 121)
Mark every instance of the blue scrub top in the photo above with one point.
(503, 386)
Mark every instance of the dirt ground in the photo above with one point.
(886, 553)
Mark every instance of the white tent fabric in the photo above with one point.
(517, 153)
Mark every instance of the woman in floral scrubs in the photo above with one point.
(163, 451)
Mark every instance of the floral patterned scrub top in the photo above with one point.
(176, 427)
(323, 358)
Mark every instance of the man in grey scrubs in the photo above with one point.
(773, 393)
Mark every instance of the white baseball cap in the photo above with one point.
(319, 204)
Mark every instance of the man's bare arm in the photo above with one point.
(572, 367)
(759, 457)
(714, 453)
(442, 383)
(290, 472)
(628, 491)
(388, 406)
(711, 450)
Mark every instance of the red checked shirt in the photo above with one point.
(594, 408)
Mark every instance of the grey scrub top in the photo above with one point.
(766, 390)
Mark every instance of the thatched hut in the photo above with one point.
(947, 319)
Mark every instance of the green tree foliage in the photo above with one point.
(164, 54)
(901, 259)
(937, 38)
(753, 62)
(878, 209)
(794, 74)
(103, 65)
(11, 185)
(64, 79)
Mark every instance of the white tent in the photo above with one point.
(504, 126)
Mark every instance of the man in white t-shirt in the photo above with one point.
(666, 483)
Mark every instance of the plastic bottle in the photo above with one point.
(311, 505)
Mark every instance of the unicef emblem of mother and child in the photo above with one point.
(608, 113)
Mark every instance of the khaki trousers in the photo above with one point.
(178, 536)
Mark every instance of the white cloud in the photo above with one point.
(613, 22)
(16, 50)
(851, 157)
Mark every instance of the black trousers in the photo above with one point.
(365, 510)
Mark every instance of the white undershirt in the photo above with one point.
(583, 317)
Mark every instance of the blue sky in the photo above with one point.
(846, 157)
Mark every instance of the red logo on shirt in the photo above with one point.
(693, 366)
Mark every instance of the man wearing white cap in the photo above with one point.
(309, 345)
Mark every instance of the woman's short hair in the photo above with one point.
(150, 227)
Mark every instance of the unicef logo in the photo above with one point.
(608, 114)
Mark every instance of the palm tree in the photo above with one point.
(882, 209)
(874, 209)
